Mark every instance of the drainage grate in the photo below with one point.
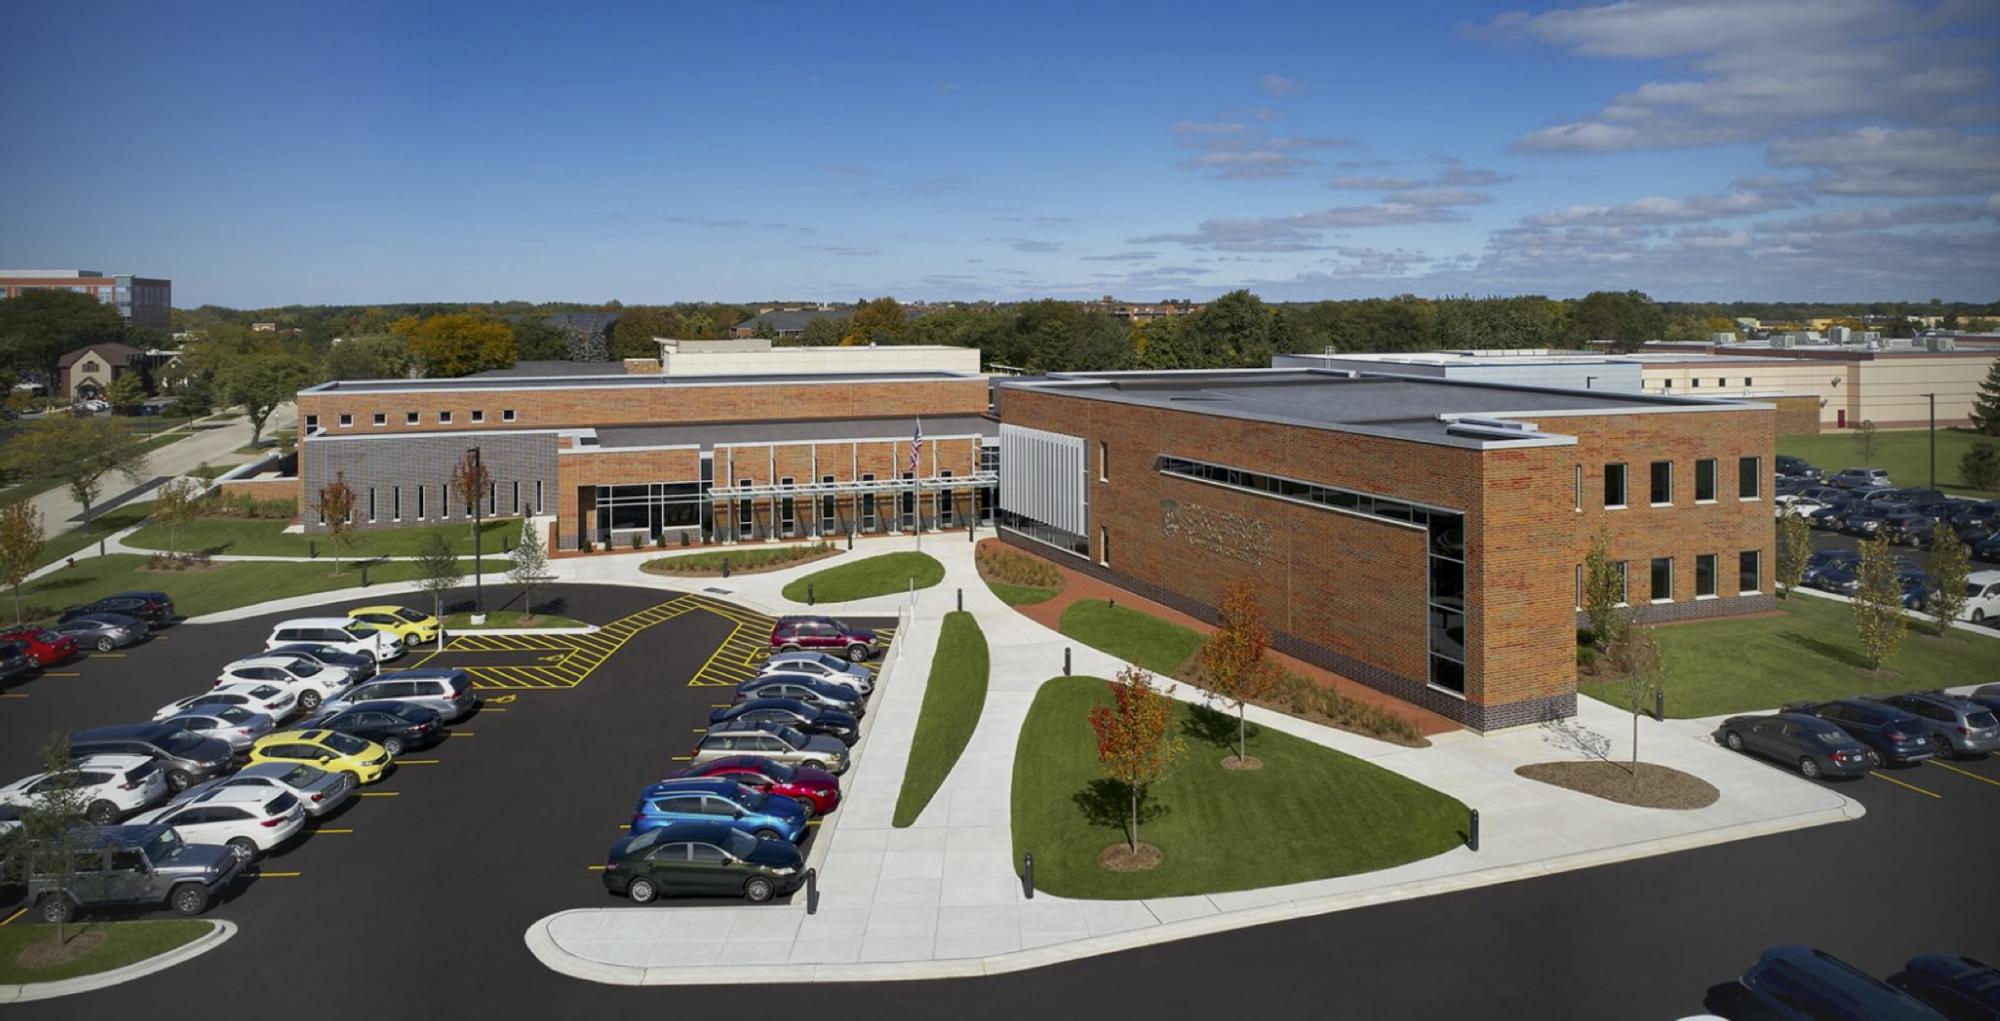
(717, 591)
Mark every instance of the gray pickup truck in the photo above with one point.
(137, 865)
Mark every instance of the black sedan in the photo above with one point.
(396, 726)
(103, 631)
(792, 713)
(1956, 985)
(359, 666)
(1814, 746)
(155, 608)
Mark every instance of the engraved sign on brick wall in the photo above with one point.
(1218, 531)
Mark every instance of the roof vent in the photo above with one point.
(1491, 424)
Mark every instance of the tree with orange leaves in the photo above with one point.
(1232, 662)
(1134, 746)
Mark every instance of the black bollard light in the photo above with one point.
(1472, 831)
(1111, 603)
(312, 549)
(961, 600)
(100, 547)
(1659, 706)
(1028, 875)
(725, 567)
(364, 575)
(850, 540)
(812, 891)
(810, 600)
(1065, 661)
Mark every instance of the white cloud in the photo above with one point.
(1279, 85)
(1356, 182)
(1232, 150)
(1745, 198)
(1890, 161)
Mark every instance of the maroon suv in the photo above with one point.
(823, 634)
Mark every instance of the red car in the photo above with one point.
(44, 647)
(815, 790)
(823, 634)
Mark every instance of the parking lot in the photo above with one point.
(461, 846)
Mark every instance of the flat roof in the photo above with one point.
(531, 370)
(1420, 408)
(709, 435)
(1521, 356)
(485, 382)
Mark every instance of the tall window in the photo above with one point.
(1614, 486)
(516, 505)
(788, 520)
(1663, 579)
(1577, 487)
(1704, 575)
(909, 502)
(1104, 545)
(1704, 480)
(868, 505)
(1103, 461)
(746, 520)
(420, 503)
(826, 507)
(395, 503)
(371, 503)
(1618, 568)
(538, 507)
(1447, 601)
(1749, 581)
(1661, 489)
(1749, 477)
(944, 502)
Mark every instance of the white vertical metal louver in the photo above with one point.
(1041, 476)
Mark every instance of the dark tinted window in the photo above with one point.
(706, 854)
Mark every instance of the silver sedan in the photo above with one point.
(236, 725)
(317, 789)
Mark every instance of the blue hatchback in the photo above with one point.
(765, 816)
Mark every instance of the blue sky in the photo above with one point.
(1715, 149)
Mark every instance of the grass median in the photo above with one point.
(28, 952)
(953, 697)
(1309, 813)
(211, 589)
(1131, 635)
(266, 537)
(882, 575)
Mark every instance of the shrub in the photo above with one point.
(1013, 567)
(1302, 697)
(638, 541)
(684, 540)
(217, 504)
(583, 543)
(1586, 659)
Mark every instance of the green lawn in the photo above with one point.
(82, 537)
(1906, 453)
(129, 943)
(881, 575)
(507, 618)
(113, 484)
(1020, 595)
(1131, 635)
(223, 586)
(745, 559)
(1310, 813)
(1732, 666)
(953, 697)
(266, 537)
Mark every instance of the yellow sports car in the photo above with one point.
(411, 627)
(330, 750)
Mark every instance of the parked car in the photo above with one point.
(824, 666)
(1795, 505)
(816, 790)
(803, 688)
(807, 718)
(1816, 747)
(1987, 695)
(1861, 478)
(1787, 466)
(235, 726)
(257, 696)
(1824, 493)
(364, 761)
(155, 608)
(411, 627)
(1866, 520)
(338, 633)
(186, 758)
(1818, 561)
(1799, 983)
(103, 631)
(15, 661)
(1898, 736)
(1969, 518)
(823, 634)
(772, 741)
(1832, 514)
(764, 816)
(318, 790)
(45, 647)
(697, 859)
(1982, 596)
(1844, 579)
(1909, 528)
(122, 866)
(1987, 549)
(1957, 726)
(444, 689)
(396, 726)
(247, 820)
(116, 786)
(360, 664)
(1955, 985)
(312, 683)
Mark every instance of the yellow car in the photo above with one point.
(330, 750)
(411, 627)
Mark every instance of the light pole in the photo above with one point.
(1933, 398)
(478, 499)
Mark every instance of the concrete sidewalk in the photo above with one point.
(942, 898)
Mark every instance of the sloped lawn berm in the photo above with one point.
(953, 697)
(881, 575)
(219, 586)
(1310, 813)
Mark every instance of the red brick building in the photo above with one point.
(1423, 536)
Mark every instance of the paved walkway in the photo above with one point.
(941, 898)
(214, 446)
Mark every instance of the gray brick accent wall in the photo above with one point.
(394, 467)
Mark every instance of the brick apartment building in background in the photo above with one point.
(141, 301)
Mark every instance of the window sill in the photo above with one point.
(1615, 506)
(1709, 596)
(1663, 503)
(1751, 592)
(1699, 503)
(1658, 602)
(1749, 499)
(1441, 689)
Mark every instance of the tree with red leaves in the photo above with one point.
(1232, 663)
(1134, 746)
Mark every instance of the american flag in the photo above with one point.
(917, 445)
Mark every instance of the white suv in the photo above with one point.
(117, 784)
(308, 680)
(248, 820)
(339, 632)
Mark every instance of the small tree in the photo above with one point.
(437, 572)
(1865, 441)
(1134, 746)
(1980, 466)
(1794, 549)
(1950, 564)
(1879, 619)
(531, 566)
(1232, 662)
(126, 392)
(52, 832)
(336, 511)
(174, 506)
(1636, 657)
(1985, 413)
(1603, 591)
(468, 480)
(79, 451)
(20, 546)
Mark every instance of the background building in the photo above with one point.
(142, 301)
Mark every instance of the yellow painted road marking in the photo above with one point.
(381, 794)
(500, 700)
(698, 730)
(334, 831)
(1965, 772)
(492, 710)
(682, 758)
(593, 868)
(15, 694)
(812, 822)
(15, 915)
(276, 875)
(60, 673)
(720, 705)
(416, 762)
(107, 655)
(461, 733)
(1911, 786)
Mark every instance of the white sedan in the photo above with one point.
(310, 681)
(1795, 505)
(256, 696)
(248, 820)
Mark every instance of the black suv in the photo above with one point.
(187, 758)
(15, 661)
(155, 608)
(127, 865)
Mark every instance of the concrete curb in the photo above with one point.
(555, 958)
(219, 933)
(890, 661)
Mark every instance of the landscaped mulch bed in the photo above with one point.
(1653, 786)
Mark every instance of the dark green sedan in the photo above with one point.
(701, 859)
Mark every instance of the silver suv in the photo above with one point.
(776, 741)
(1861, 478)
(1958, 726)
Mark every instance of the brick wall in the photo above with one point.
(1797, 415)
(263, 489)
